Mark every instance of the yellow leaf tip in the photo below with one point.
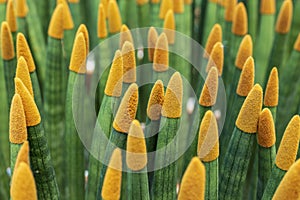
(161, 54)
(102, 30)
(56, 27)
(129, 63)
(83, 29)
(272, 89)
(77, 62)
(216, 58)
(125, 36)
(214, 37)
(21, 8)
(178, 6)
(156, 101)
(297, 43)
(246, 80)
(285, 16)
(152, 38)
(169, 26)
(23, 50)
(68, 23)
(245, 50)
(22, 73)
(7, 44)
(11, 16)
(240, 20)
(114, 17)
(266, 130)
(267, 7)
(23, 155)
(164, 7)
(229, 11)
(209, 92)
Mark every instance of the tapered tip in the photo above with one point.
(114, 17)
(136, 151)
(17, 121)
(178, 6)
(209, 92)
(161, 54)
(125, 35)
(172, 105)
(11, 16)
(152, 38)
(240, 20)
(102, 30)
(23, 50)
(288, 147)
(214, 37)
(129, 63)
(23, 184)
(127, 109)
(169, 26)
(2, 1)
(23, 74)
(156, 101)
(164, 7)
(7, 44)
(68, 20)
(272, 89)
(193, 181)
(245, 50)
(246, 80)
(208, 141)
(56, 27)
(229, 11)
(266, 136)
(83, 29)
(23, 155)
(32, 114)
(297, 43)
(77, 62)
(249, 113)
(216, 58)
(115, 78)
(21, 8)
(188, 2)
(285, 16)
(267, 7)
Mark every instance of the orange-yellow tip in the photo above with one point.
(297, 43)
(114, 17)
(111, 189)
(267, 7)
(188, 2)
(178, 6)
(272, 89)
(288, 147)
(105, 5)
(193, 181)
(23, 50)
(266, 136)
(246, 80)
(285, 16)
(56, 27)
(129, 63)
(127, 109)
(32, 114)
(245, 50)
(156, 101)
(169, 26)
(68, 20)
(102, 29)
(23, 74)
(83, 29)
(240, 20)
(152, 38)
(23, 155)
(23, 185)
(11, 16)
(17, 121)
(216, 58)
(208, 141)
(77, 62)
(215, 36)
(172, 105)
(164, 7)
(248, 117)
(229, 10)
(7, 44)
(209, 92)
(222, 3)
(21, 8)
(136, 151)
(161, 54)
(125, 35)
(115, 78)
(2, 1)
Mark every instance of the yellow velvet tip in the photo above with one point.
(83, 29)
(56, 27)
(21, 8)
(23, 74)
(152, 38)
(68, 20)
(172, 104)
(23, 155)
(267, 7)
(240, 20)
(125, 35)
(245, 50)
(288, 147)
(209, 91)
(102, 30)
(17, 121)
(111, 189)
(23, 185)
(246, 80)
(285, 16)
(127, 109)
(156, 101)
(229, 10)
(289, 187)
(161, 54)
(74, 1)
(129, 63)
(297, 43)
(115, 78)
(249, 113)
(216, 58)
(272, 89)
(266, 130)
(32, 114)
(165, 6)
(222, 3)
(114, 17)
(215, 36)
(7, 44)
(23, 50)
(188, 2)
(136, 151)
(178, 6)
(2, 1)
(208, 141)
(193, 181)
(105, 5)
(155, 1)
(11, 16)
(77, 62)
(169, 26)
(142, 2)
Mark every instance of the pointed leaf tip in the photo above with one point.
(156, 101)
(56, 27)
(285, 16)
(240, 20)
(266, 129)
